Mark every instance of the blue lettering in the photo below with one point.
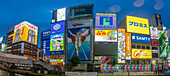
(131, 23)
(137, 24)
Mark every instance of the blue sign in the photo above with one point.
(166, 71)
(130, 67)
(141, 38)
(46, 35)
(46, 47)
(56, 52)
(57, 27)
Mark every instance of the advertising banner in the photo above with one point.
(106, 21)
(154, 33)
(1, 40)
(25, 32)
(137, 25)
(46, 35)
(154, 43)
(57, 27)
(78, 43)
(105, 35)
(80, 11)
(141, 54)
(46, 47)
(141, 38)
(166, 72)
(57, 44)
(128, 46)
(3, 47)
(164, 46)
(22, 47)
(80, 23)
(61, 14)
(57, 56)
(141, 73)
(121, 46)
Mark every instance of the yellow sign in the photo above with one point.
(97, 58)
(137, 25)
(142, 53)
(128, 46)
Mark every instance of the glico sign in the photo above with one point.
(137, 25)
(25, 32)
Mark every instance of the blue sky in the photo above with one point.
(38, 12)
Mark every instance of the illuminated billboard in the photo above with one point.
(141, 53)
(105, 21)
(163, 45)
(45, 35)
(106, 35)
(80, 23)
(121, 46)
(3, 47)
(79, 43)
(141, 38)
(137, 25)
(46, 47)
(154, 43)
(57, 44)
(61, 14)
(128, 46)
(154, 33)
(80, 11)
(25, 32)
(57, 27)
(1, 40)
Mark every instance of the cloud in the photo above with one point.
(115, 8)
(138, 3)
(159, 4)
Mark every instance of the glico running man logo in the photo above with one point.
(106, 20)
(56, 27)
(137, 24)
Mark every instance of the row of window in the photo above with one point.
(140, 47)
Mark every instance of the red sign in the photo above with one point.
(57, 56)
(154, 43)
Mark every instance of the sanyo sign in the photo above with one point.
(141, 38)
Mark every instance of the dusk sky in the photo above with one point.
(38, 12)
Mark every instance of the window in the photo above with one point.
(154, 48)
(143, 47)
(138, 47)
(154, 55)
(133, 46)
(148, 47)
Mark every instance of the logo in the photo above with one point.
(77, 24)
(106, 20)
(137, 24)
(141, 38)
(56, 27)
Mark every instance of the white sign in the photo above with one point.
(61, 14)
(154, 32)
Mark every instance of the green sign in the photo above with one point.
(164, 46)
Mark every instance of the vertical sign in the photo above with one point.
(154, 32)
(128, 46)
(121, 46)
(164, 46)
